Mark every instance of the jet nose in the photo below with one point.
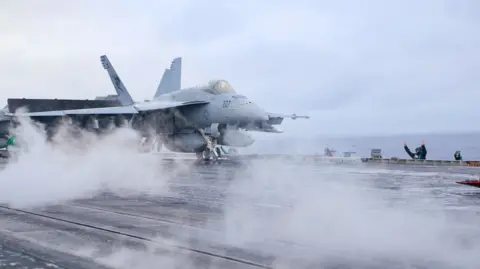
(257, 113)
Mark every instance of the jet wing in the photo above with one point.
(159, 105)
(118, 110)
(86, 111)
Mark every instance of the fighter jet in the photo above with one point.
(186, 119)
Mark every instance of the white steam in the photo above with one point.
(324, 214)
(69, 168)
(313, 214)
(238, 138)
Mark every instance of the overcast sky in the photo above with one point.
(356, 67)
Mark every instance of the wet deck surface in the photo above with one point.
(262, 215)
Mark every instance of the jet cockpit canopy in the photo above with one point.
(219, 87)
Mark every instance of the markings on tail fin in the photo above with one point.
(122, 94)
(105, 62)
(117, 83)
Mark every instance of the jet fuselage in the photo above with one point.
(181, 125)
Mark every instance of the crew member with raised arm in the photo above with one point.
(420, 152)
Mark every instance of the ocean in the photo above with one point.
(439, 146)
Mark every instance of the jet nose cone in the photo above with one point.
(258, 113)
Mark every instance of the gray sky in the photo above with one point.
(356, 67)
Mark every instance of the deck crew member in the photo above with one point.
(420, 152)
(10, 141)
(457, 155)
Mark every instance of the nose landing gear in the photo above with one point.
(209, 154)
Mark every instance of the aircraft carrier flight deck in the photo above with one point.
(264, 215)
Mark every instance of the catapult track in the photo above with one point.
(132, 236)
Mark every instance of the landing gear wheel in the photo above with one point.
(219, 152)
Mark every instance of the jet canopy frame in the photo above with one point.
(219, 87)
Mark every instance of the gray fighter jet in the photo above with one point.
(186, 120)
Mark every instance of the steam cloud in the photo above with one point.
(299, 214)
(68, 168)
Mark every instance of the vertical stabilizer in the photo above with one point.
(122, 93)
(171, 79)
